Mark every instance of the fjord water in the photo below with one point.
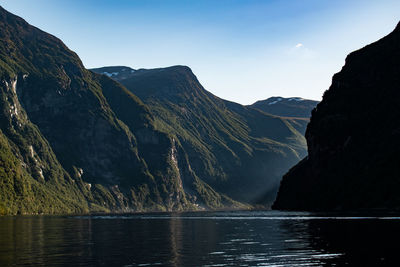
(254, 238)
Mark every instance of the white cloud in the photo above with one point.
(300, 51)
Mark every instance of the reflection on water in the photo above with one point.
(199, 239)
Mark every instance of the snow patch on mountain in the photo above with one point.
(298, 99)
(276, 101)
(110, 74)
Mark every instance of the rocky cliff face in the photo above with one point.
(32, 179)
(236, 150)
(353, 138)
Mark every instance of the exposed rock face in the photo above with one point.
(353, 138)
(237, 150)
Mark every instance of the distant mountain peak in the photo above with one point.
(276, 99)
(286, 107)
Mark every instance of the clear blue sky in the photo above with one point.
(241, 50)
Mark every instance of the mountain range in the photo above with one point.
(121, 140)
(238, 150)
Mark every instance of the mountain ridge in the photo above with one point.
(298, 114)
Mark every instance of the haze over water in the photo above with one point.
(267, 238)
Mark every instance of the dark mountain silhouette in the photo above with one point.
(353, 138)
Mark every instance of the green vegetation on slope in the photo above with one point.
(76, 141)
(69, 138)
(84, 137)
(239, 151)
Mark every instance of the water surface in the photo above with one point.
(251, 238)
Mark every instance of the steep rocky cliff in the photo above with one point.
(353, 138)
